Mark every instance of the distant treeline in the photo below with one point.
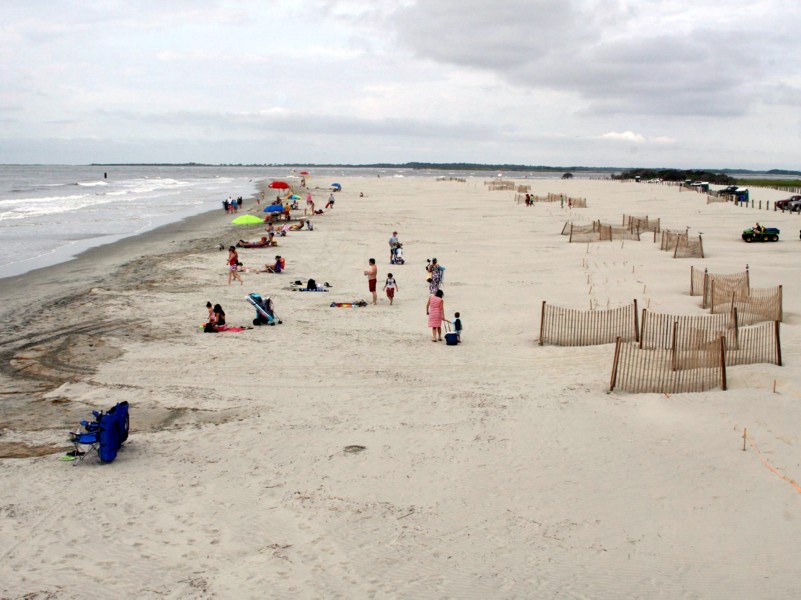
(677, 175)
(409, 165)
(718, 177)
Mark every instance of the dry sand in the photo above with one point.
(495, 469)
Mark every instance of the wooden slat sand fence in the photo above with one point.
(710, 199)
(561, 326)
(668, 371)
(758, 344)
(582, 233)
(753, 305)
(670, 239)
(701, 283)
(554, 197)
(522, 189)
(687, 247)
(577, 202)
(660, 331)
(499, 185)
(604, 232)
(519, 198)
(641, 223)
(624, 233)
(598, 232)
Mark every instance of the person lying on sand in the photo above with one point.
(264, 242)
(280, 265)
(298, 226)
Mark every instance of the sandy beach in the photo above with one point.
(498, 468)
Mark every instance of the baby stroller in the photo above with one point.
(265, 314)
(397, 255)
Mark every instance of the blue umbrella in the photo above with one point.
(336, 185)
(274, 208)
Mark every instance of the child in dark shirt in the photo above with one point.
(457, 326)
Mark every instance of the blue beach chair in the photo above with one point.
(104, 436)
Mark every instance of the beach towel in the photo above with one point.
(223, 328)
(357, 304)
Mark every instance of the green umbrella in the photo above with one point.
(247, 220)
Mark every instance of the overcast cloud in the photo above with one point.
(554, 82)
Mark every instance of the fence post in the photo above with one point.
(673, 345)
(642, 326)
(723, 362)
(542, 320)
(747, 277)
(701, 244)
(613, 380)
(736, 329)
(692, 270)
(781, 305)
(636, 325)
(778, 344)
(706, 289)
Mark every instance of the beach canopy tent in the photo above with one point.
(279, 185)
(248, 220)
(274, 208)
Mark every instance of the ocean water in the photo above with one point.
(51, 213)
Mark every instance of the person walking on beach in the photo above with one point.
(233, 266)
(330, 203)
(390, 287)
(434, 275)
(372, 279)
(435, 309)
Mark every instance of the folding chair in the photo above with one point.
(104, 436)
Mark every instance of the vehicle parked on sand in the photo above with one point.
(727, 190)
(794, 205)
(765, 234)
(784, 204)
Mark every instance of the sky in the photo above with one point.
(598, 83)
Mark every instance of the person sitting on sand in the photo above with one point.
(216, 320)
(298, 226)
(280, 265)
(264, 242)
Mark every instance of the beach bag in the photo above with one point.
(311, 285)
(209, 328)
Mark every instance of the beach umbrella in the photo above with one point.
(279, 185)
(274, 208)
(336, 185)
(247, 220)
(304, 173)
(294, 197)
